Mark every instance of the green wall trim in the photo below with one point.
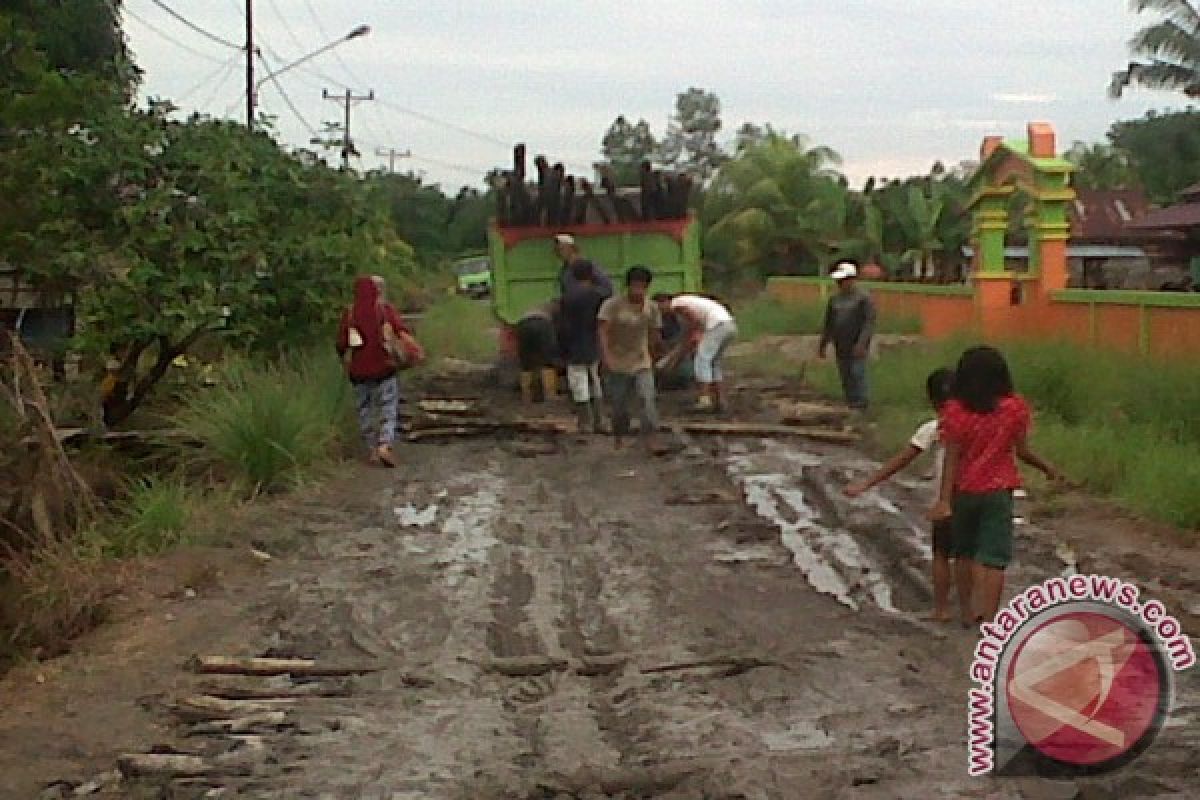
(954, 290)
(1128, 298)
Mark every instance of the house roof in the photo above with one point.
(1106, 213)
(1180, 217)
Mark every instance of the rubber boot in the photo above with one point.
(550, 383)
(597, 413)
(583, 416)
(527, 387)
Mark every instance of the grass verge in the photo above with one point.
(458, 327)
(1122, 426)
(764, 315)
(267, 426)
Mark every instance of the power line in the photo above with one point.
(483, 137)
(287, 100)
(291, 34)
(166, 36)
(229, 67)
(224, 68)
(312, 12)
(206, 34)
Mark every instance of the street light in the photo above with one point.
(360, 31)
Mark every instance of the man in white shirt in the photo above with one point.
(710, 330)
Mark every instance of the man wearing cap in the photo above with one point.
(849, 325)
(568, 251)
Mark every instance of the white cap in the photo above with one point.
(843, 271)
(565, 238)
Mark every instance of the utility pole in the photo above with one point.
(392, 154)
(347, 100)
(250, 64)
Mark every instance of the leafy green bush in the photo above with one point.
(267, 425)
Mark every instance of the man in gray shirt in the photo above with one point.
(849, 325)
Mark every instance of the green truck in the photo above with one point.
(525, 269)
(473, 276)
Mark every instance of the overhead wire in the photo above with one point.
(286, 99)
(125, 10)
(222, 70)
(203, 32)
(229, 67)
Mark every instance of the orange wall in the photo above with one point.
(1135, 324)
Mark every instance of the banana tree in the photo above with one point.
(920, 223)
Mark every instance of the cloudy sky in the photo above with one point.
(893, 85)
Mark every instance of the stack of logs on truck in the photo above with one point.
(557, 199)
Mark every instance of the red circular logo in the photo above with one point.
(1085, 688)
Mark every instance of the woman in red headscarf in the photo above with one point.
(374, 341)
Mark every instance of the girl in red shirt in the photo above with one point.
(985, 429)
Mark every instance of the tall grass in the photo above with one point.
(764, 315)
(1122, 426)
(458, 327)
(267, 426)
(155, 515)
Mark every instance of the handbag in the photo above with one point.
(403, 350)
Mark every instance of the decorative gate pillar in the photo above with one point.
(1034, 168)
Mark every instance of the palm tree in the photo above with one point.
(778, 203)
(1171, 48)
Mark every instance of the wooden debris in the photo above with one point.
(727, 667)
(534, 449)
(448, 432)
(526, 666)
(828, 435)
(280, 693)
(206, 707)
(252, 723)
(800, 413)
(704, 497)
(163, 765)
(450, 406)
(592, 666)
(228, 665)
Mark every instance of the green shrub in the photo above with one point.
(267, 425)
(154, 517)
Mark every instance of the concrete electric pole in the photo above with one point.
(347, 101)
(391, 154)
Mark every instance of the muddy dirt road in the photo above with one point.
(584, 623)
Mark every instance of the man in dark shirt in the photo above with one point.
(849, 325)
(568, 251)
(580, 305)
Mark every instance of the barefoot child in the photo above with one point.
(925, 440)
(984, 429)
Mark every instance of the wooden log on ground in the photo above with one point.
(230, 665)
(827, 435)
(801, 413)
(204, 707)
(450, 406)
(525, 666)
(275, 693)
(164, 765)
(252, 723)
